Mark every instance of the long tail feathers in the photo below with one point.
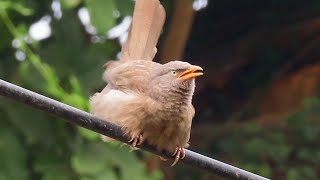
(147, 23)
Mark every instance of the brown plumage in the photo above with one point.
(150, 101)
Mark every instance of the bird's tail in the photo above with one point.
(147, 23)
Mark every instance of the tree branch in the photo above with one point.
(86, 120)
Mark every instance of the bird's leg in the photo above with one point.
(136, 140)
(179, 153)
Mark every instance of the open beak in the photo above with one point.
(192, 72)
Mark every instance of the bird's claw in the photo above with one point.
(136, 140)
(178, 154)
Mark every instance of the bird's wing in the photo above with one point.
(129, 75)
(147, 23)
(124, 109)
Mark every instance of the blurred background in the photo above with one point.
(257, 106)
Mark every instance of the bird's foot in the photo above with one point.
(179, 153)
(135, 141)
(162, 158)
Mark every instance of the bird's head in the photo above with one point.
(175, 77)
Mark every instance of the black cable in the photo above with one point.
(86, 120)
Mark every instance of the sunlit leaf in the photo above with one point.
(69, 4)
(88, 133)
(101, 13)
(18, 7)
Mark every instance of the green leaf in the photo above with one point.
(311, 133)
(90, 135)
(46, 162)
(125, 7)
(293, 174)
(311, 102)
(12, 156)
(52, 162)
(297, 120)
(252, 128)
(97, 157)
(35, 126)
(70, 4)
(261, 169)
(18, 7)
(101, 14)
(89, 159)
(76, 100)
(304, 172)
(108, 174)
(71, 57)
(130, 166)
(57, 174)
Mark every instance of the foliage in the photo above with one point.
(289, 152)
(66, 67)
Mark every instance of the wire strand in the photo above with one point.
(86, 120)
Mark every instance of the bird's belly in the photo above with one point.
(116, 96)
(109, 104)
(168, 134)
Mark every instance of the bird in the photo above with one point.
(151, 102)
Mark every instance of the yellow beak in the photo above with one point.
(192, 72)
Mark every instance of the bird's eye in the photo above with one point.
(174, 73)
